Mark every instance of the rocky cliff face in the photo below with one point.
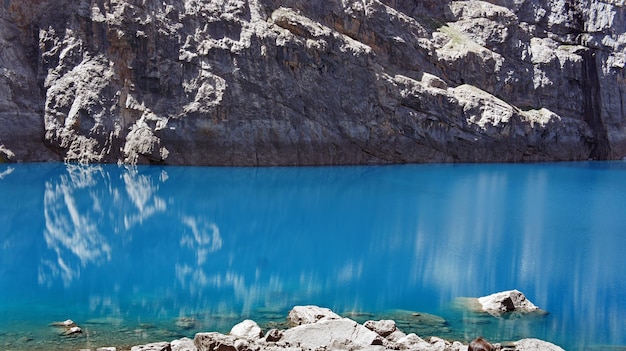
(267, 82)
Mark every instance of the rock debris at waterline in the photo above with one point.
(268, 82)
(318, 328)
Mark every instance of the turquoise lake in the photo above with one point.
(141, 254)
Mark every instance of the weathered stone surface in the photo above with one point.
(265, 82)
(383, 328)
(215, 342)
(310, 314)
(184, 344)
(340, 334)
(273, 335)
(413, 342)
(247, 329)
(157, 346)
(535, 345)
(507, 301)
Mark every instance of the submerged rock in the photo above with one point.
(67, 327)
(65, 324)
(72, 331)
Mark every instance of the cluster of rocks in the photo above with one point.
(266, 82)
(317, 328)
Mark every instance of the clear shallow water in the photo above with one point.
(143, 254)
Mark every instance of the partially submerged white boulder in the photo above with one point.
(507, 301)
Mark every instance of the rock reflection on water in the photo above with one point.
(172, 251)
(71, 229)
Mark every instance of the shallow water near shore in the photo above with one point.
(141, 254)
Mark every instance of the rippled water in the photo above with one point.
(141, 254)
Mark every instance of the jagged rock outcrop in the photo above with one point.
(264, 82)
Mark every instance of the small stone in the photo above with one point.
(72, 331)
(66, 324)
(157, 346)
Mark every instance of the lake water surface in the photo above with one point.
(143, 254)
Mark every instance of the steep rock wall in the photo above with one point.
(268, 82)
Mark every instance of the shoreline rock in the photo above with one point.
(504, 304)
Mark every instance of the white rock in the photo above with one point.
(413, 342)
(535, 345)
(66, 324)
(248, 329)
(395, 336)
(383, 327)
(310, 314)
(438, 344)
(73, 331)
(214, 341)
(332, 333)
(506, 301)
(184, 344)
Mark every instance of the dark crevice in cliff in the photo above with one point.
(592, 102)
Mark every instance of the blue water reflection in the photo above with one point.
(152, 244)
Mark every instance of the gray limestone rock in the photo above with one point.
(268, 82)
